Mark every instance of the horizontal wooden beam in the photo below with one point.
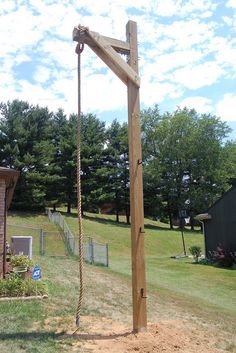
(120, 46)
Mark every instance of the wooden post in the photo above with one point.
(108, 49)
(136, 190)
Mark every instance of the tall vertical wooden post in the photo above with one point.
(108, 49)
(136, 189)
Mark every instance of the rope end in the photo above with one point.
(77, 322)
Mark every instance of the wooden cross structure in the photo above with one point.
(109, 50)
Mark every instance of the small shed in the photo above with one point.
(219, 224)
(8, 179)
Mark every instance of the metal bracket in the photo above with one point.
(141, 230)
(142, 294)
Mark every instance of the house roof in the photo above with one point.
(202, 216)
(222, 196)
(207, 215)
(10, 176)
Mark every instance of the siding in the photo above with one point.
(221, 229)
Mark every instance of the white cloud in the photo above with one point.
(197, 76)
(20, 58)
(156, 92)
(36, 94)
(200, 104)
(226, 108)
(6, 80)
(19, 30)
(59, 52)
(171, 8)
(224, 51)
(166, 63)
(42, 74)
(168, 7)
(6, 5)
(231, 3)
(188, 33)
(103, 92)
(228, 20)
(204, 6)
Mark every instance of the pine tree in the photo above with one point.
(26, 146)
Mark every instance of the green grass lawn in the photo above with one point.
(200, 285)
(175, 286)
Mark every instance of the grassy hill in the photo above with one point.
(207, 286)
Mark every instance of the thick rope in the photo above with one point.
(79, 50)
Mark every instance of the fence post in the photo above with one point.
(91, 250)
(68, 242)
(41, 242)
(107, 255)
(74, 246)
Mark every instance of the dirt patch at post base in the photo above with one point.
(105, 335)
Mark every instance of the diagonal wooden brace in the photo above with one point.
(107, 49)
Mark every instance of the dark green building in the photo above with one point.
(219, 225)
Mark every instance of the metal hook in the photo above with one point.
(79, 48)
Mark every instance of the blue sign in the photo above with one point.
(36, 273)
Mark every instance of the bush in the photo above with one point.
(196, 252)
(11, 285)
(21, 260)
(31, 287)
(223, 257)
(14, 286)
(206, 262)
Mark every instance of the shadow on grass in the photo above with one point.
(97, 337)
(103, 221)
(113, 222)
(125, 225)
(46, 336)
(99, 220)
(25, 214)
(40, 336)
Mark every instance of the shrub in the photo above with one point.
(11, 286)
(21, 260)
(206, 261)
(14, 286)
(196, 252)
(31, 287)
(223, 257)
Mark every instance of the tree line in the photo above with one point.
(187, 162)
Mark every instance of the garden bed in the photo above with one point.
(19, 282)
(16, 286)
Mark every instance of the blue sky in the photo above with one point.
(187, 55)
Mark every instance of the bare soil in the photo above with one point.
(106, 335)
(166, 336)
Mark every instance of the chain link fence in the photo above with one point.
(93, 252)
(43, 242)
(52, 244)
(35, 233)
